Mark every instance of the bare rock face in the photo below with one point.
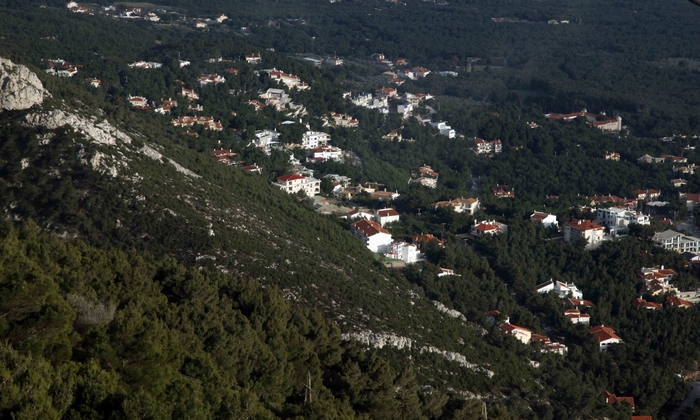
(19, 87)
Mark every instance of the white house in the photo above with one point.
(293, 183)
(372, 234)
(459, 205)
(447, 272)
(445, 130)
(670, 239)
(325, 153)
(403, 251)
(547, 220)
(522, 334)
(253, 58)
(488, 227)
(315, 139)
(605, 337)
(386, 216)
(266, 139)
(592, 232)
(208, 79)
(618, 219)
(358, 214)
(483, 146)
(576, 317)
(562, 289)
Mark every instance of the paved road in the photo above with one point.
(693, 395)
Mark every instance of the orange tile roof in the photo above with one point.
(584, 225)
(603, 333)
(369, 228)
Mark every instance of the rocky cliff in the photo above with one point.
(20, 88)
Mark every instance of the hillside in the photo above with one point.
(94, 165)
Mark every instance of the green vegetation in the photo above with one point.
(176, 296)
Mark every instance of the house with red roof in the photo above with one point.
(522, 334)
(492, 316)
(605, 337)
(376, 238)
(293, 183)
(386, 216)
(546, 220)
(488, 227)
(224, 156)
(576, 303)
(254, 168)
(576, 317)
(447, 272)
(641, 303)
(425, 238)
(676, 302)
(502, 191)
(459, 205)
(614, 399)
(547, 344)
(591, 231)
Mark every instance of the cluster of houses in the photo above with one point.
(59, 67)
(370, 229)
(145, 65)
(281, 101)
(290, 80)
(207, 122)
(608, 124)
(425, 176)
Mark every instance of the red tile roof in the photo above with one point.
(368, 228)
(387, 212)
(289, 177)
(613, 399)
(584, 225)
(603, 333)
(678, 302)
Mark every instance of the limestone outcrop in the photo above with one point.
(20, 88)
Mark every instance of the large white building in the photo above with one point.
(592, 232)
(445, 130)
(564, 290)
(386, 216)
(293, 183)
(676, 241)
(266, 139)
(403, 251)
(547, 220)
(376, 238)
(618, 219)
(605, 336)
(315, 139)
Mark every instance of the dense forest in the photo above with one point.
(157, 294)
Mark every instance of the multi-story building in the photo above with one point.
(670, 239)
(376, 238)
(315, 139)
(592, 232)
(293, 183)
(484, 146)
(618, 219)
